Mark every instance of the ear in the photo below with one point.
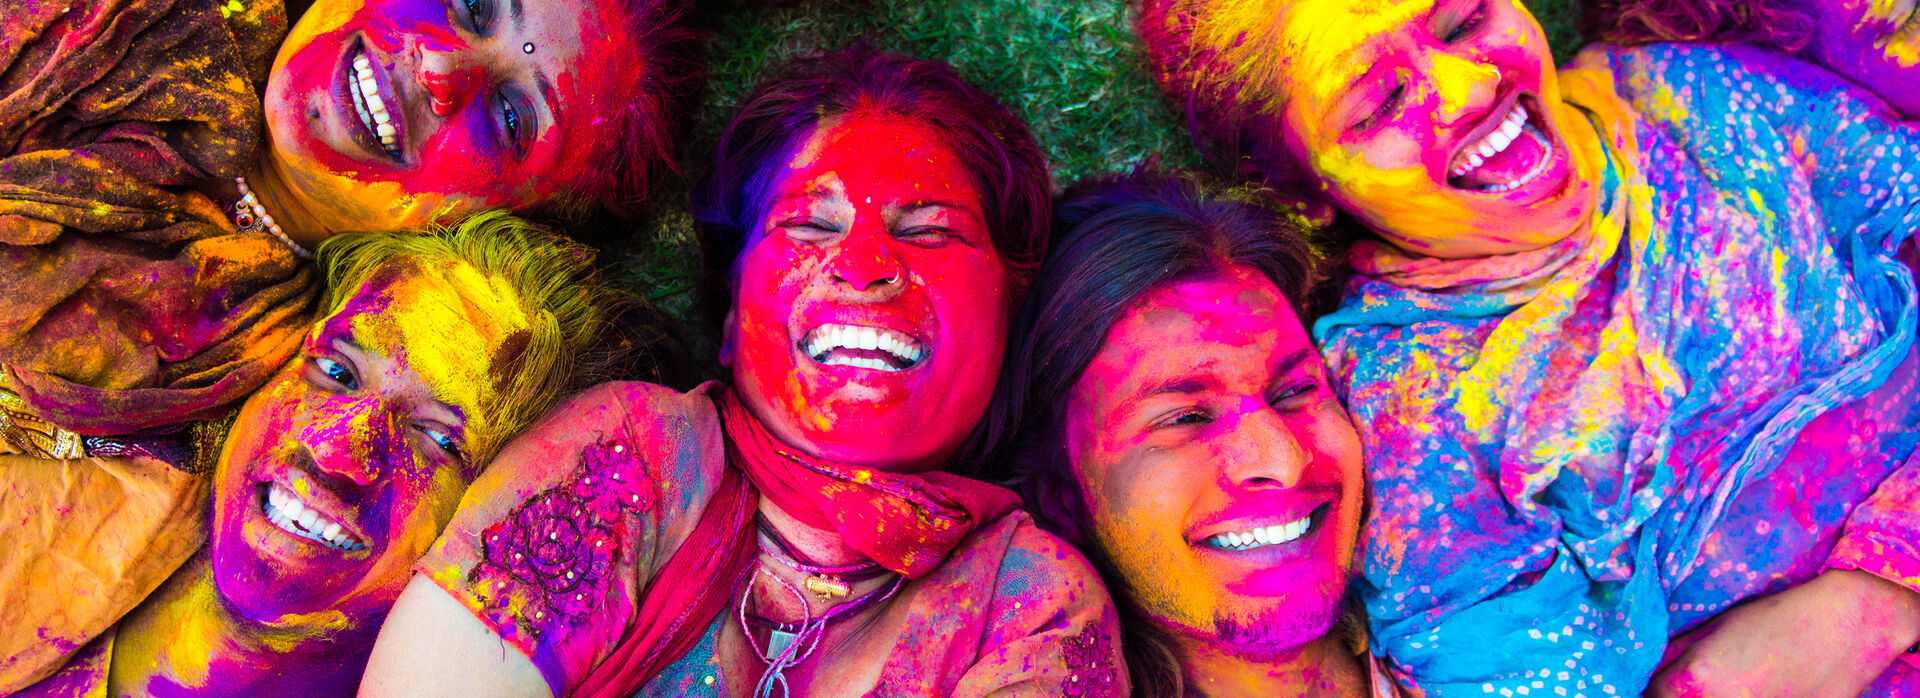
(728, 333)
(1057, 504)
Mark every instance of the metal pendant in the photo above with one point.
(827, 587)
(778, 641)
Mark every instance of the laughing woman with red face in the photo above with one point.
(151, 241)
(877, 218)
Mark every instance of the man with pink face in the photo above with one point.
(1175, 421)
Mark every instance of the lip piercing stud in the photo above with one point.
(527, 47)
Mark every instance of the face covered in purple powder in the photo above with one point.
(341, 471)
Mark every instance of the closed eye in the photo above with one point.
(1294, 392)
(1465, 28)
(808, 229)
(928, 236)
(1387, 107)
(1184, 418)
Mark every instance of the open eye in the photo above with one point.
(336, 372)
(1465, 28)
(514, 127)
(439, 437)
(1387, 106)
(479, 14)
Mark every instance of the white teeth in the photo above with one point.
(826, 338)
(1497, 141)
(284, 510)
(1263, 536)
(367, 102)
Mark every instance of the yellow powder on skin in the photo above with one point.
(447, 322)
(1454, 78)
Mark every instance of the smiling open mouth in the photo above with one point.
(285, 510)
(1511, 155)
(1264, 536)
(368, 104)
(876, 348)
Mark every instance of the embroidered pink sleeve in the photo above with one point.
(553, 544)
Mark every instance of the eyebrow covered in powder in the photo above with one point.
(1194, 383)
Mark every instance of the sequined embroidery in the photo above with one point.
(549, 561)
(1089, 658)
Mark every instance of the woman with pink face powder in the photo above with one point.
(873, 220)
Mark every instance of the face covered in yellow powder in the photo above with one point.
(1437, 123)
(341, 471)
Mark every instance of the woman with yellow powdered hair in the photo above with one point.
(324, 487)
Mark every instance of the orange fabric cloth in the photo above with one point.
(85, 540)
(128, 300)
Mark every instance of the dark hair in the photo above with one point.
(1119, 238)
(645, 130)
(993, 145)
(1228, 88)
(1783, 25)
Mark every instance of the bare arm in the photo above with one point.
(432, 646)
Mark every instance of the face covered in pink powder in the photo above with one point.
(1221, 476)
(340, 472)
(385, 114)
(871, 312)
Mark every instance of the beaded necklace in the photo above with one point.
(251, 217)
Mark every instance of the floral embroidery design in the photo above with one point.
(1089, 658)
(559, 547)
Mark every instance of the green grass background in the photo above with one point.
(1069, 67)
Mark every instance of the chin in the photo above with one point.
(1274, 633)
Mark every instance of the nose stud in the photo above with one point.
(527, 47)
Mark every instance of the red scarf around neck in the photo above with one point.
(907, 523)
(923, 518)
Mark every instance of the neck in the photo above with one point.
(184, 640)
(275, 190)
(817, 544)
(1323, 667)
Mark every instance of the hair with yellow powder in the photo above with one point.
(579, 330)
(1221, 62)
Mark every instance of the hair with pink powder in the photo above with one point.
(641, 145)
